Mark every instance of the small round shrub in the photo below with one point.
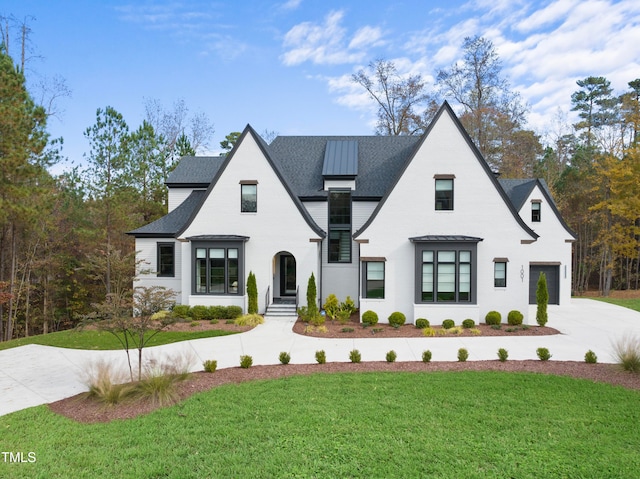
(422, 323)
(284, 357)
(468, 323)
(321, 357)
(543, 354)
(448, 323)
(503, 354)
(391, 356)
(246, 361)
(370, 318)
(590, 357)
(397, 319)
(515, 317)
(463, 355)
(426, 356)
(210, 365)
(493, 318)
(355, 356)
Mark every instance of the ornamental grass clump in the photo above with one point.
(626, 352)
(249, 320)
(210, 365)
(429, 332)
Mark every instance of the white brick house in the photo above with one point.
(413, 224)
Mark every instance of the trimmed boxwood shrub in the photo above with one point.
(370, 318)
(391, 356)
(590, 357)
(426, 356)
(515, 318)
(463, 355)
(233, 312)
(493, 318)
(422, 323)
(468, 323)
(448, 323)
(397, 319)
(198, 312)
(181, 311)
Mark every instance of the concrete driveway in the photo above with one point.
(33, 375)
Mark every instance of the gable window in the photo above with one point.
(535, 211)
(166, 259)
(500, 272)
(249, 197)
(374, 279)
(217, 269)
(444, 192)
(340, 226)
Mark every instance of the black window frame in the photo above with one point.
(339, 228)
(228, 288)
(444, 198)
(536, 211)
(248, 205)
(367, 282)
(500, 282)
(160, 262)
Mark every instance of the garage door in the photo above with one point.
(553, 282)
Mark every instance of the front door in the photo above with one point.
(287, 275)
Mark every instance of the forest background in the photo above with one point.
(63, 241)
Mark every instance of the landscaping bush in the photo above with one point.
(475, 331)
(210, 365)
(232, 312)
(321, 357)
(429, 332)
(106, 384)
(503, 354)
(590, 357)
(332, 306)
(246, 361)
(493, 318)
(426, 356)
(542, 299)
(468, 323)
(343, 315)
(448, 323)
(252, 294)
(347, 330)
(422, 323)
(543, 354)
(355, 356)
(515, 317)
(284, 357)
(317, 319)
(181, 311)
(391, 356)
(626, 351)
(249, 320)
(348, 305)
(397, 319)
(369, 318)
(463, 355)
(198, 312)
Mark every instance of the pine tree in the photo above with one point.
(542, 299)
(252, 292)
(312, 305)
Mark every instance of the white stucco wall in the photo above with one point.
(176, 196)
(146, 252)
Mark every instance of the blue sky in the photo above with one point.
(285, 65)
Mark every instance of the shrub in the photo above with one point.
(321, 329)
(214, 321)
(348, 305)
(475, 331)
(369, 318)
(515, 317)
(590, 357)
(429, 332)
(303, 314)
(198, 312)
(626, 351)
(193, 324)
(543, 354)
(455, 330)
(448, 323)
(332, 306)
(503, 354)
(246, 361)
(347, 330)
(181, 311)
(321, 357)
(159, 379)
(210, 365)
(217, 312)
(542, 298)
(249, 320)
(496, 326)
(343, 315)
(107, 385)
(317, 319)
(391, 356)
(493, 318)
(312, 304)
(252, 293)
(397, 319)
(355, 356)
(468, 323)
(463, 355)
(426, 356)
(284, 357)
(232, 312)
(422, 323)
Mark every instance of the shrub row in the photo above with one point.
(494, 318)
(199, 313)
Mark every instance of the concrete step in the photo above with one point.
(281, 310)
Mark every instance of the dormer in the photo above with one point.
(340, 166)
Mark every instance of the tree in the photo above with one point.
(230, 140)
(312, 304)
(404, 105)
(252, 292)
(183, 147)
(542, 299)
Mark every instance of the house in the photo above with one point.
(419, 225)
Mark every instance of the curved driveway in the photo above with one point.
(32, 375)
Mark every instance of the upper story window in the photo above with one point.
(340, 226)
(444, 192)
(248, 196)
(500, 272)
(166, 259)
(535, 211)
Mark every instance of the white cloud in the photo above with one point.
(291, 4)
(366, 36)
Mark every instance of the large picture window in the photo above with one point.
(340, 226)
(166, 259)
(217, 269)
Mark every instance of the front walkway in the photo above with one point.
(34, 374)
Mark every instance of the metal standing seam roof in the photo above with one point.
(340, 158)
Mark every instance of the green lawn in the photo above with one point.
(633, 303)
(100, 340)
(374, 425)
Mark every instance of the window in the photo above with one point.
(374, 280)
(217, 270)
(166, 259)
(445, 273)
(444, 193)
(535, 211)
(249, 198)
(500, 273)
(339, 226)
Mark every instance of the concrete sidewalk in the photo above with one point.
(33, 375)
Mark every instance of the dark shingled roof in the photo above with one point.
(169, 225)
(194, 171)
(517, 190)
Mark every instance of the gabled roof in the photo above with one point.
(400, 172)
(194, 171)
(171, 224)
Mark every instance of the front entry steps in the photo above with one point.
(281, 311)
